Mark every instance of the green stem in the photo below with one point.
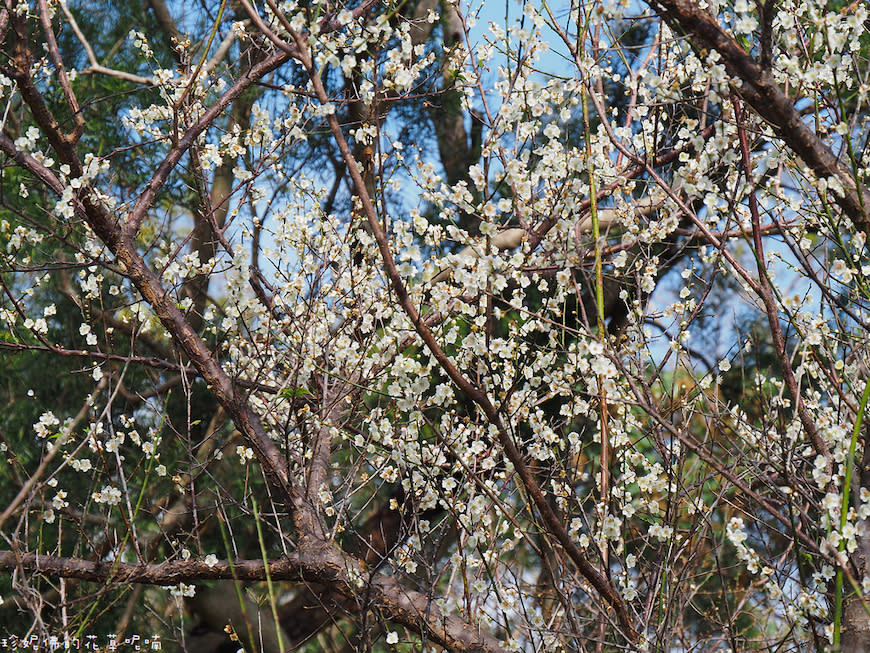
(272, 602)
(844, 513)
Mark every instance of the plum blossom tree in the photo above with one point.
(417, 324)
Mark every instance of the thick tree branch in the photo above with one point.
(185, 141)
(57, 61)
(768, 100)
(407, 607)
(317, 559)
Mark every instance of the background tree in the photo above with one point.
(384, 325)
